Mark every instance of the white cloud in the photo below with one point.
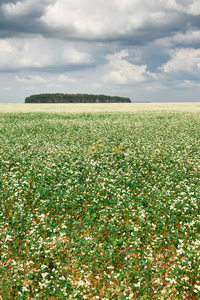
(23, 53)
(188, 84)
(73, 56)
(189, 37)
(155, 87)
(98, 19)
(186, 6)
(121, 71)
(183, 60)
(7, 54)
(64, 78)
(189, 6)
(5, 47)
(77, 17)
(30, 79)
(91, 19)
(41, 53)
(30, 61)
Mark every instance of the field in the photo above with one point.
(100, 107)
(99, 204)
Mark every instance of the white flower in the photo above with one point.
(8, 238)
(62, 278)
(44, 274)
(43, 266)
(24, 289)
(42, 216)
(137, 284)
(88, 238)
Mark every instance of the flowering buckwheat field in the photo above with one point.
(99, 206)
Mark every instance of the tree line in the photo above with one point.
(74, 98)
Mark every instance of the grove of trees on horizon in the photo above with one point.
(75, 98)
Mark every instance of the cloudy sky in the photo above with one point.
(148, 50)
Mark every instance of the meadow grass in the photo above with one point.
(99, 205)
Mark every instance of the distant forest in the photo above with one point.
(74, 98)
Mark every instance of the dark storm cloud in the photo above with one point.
(21, 18)
(152, 57)
(9, 2)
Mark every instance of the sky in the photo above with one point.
(147, 50)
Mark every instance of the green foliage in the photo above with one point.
(74, 98)
(99, 206)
